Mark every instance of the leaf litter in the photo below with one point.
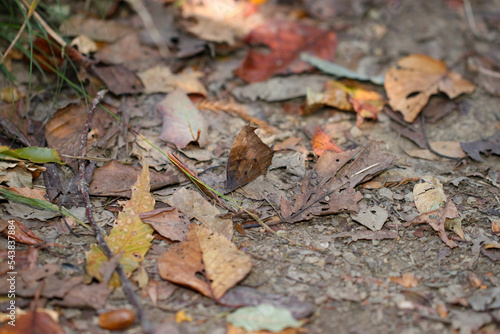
(324, 192)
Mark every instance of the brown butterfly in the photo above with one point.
(249, 158)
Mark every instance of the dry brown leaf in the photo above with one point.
(437, 219)
(329, 188)
(219, 20)
(160, 79)
(408, 280)
(192, 204)
(117, 179)
(182, 122)
(169, 222)
(410, 84)
(206, 261)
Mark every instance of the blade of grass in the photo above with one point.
(39, 203)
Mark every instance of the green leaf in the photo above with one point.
(263, 317)
(339, 71)
(33, 154)
(39, 203)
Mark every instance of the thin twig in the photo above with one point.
(422, 122)
(127, 286)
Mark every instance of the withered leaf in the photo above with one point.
(249, 158)
(424, 76)
(329, 188)
(210, 254)
(485, 146)
(169, 222)
(437, 219)
(286, 39)
(36, 321)
(116, 179)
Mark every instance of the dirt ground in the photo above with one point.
(346, 282)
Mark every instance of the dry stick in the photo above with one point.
(422, 124)
(127, 286)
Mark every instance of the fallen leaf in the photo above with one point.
(159, 290)
(206, 261)
(96, 29)
(245, 296)
(20, 233)
(339, 71)
(279, 88)
(372, 217)
(366, 104)
(86, 296)
(321, 142)
(249, 158)
(64, 130)
(286, 40)
(231, 329)
(428, 194)
(437, 219)
(129, 236)
(193, 205)
(118, 79)
(490, 145)
(329, 188)
(181, 316)
(221, 21)
(182, 122)
(160, 79)
(408, 280)
(168, 222)
(33, 154)
(495, 226)
(263, 317)
(410, 84)
(32, 322)
(117, 179)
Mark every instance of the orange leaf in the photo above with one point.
(410, 84)
(321, 142)
(206, 261)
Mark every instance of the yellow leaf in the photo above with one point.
(181, 316)
(129, 235)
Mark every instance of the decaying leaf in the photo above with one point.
(130, 237)
(116, 179)
(410, 84)
(245, 296)
(408, 280)
(249, 158)
(437, 219)
(436, 209)
(22, 234)
(329, 188)
(263, 317)
(160, 79)
(206, 261)
(372, 217)
(169, 222)
(193, 205)
(286, 39)
(366, 104)
(182, 122)
(490, 145)
(219, 20)
(35, 321)
(321, 142)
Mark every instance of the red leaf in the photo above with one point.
(286, 39)
(321, 142)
